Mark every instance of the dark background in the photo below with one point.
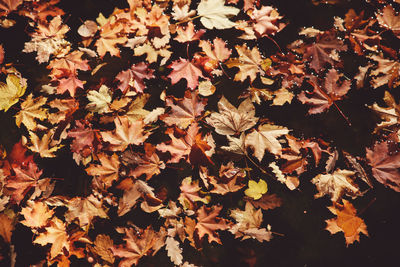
(301, 218)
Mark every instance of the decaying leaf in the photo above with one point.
(346, 222)
(231, 120)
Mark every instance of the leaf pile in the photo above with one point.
(161, 138)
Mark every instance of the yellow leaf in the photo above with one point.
(10, 92)
(256, 190)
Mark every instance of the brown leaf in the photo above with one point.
(266, 202)
(346, 222)
(103, 245)
(148, 164)
(23, 181)
(134, 77)
(185, 111)
(138, 244)
(319, 53)
(248, 224)
(208, 223)
(384, 165)
(55, 235)
(185, 69)
(125, 133)
(336, 184)
(249, 63)
(174, 252)
(36, 214)
(231, 120)
(325, 94)
(6, 227)
(107, 170)
(387, 19)
(265, 138)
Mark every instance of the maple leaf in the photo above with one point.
(49, 39)
(237, 146)
(384, 165)
(248, 224)
(214, 14)
(126, 133)
(256, 190)
(265, 138)
(103, 245)
(220, 53)
(68, 65)
(36, 214)
(265, 20)
(69, 84)
(107, 170)
(387, 72)
(56, 235)
(185, 111)
(138, 244)
(174, 252)
(148, 164)
(41, 10)
(11, 92)
(390, 115)
(188, 34)
(229, 179)
(346, 222)
(99, 100)
(134, 77)
(109, 39)
(336, 184)
(185, 69)
(84, 209)
(208, 223)
(45, 145)
(7, 6)
(190, 193)
(249, 63)
(31, 109)
(387, 19)
(136, 109)
(23, 181)
(231, 120)
(132, 192)
(192, 147)
(325, 95)
(319, 52)
(83, 137)
(266, 202)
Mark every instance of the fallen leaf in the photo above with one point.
(125, 133)
(208, 223)
(265, 138)
(249, 63)
(36, 214)
(174, 252)
(214, 14)
(336, 184)
(384, 165)
(256, 190)
(185, 111)
(231, 120)
(11, 92)
(346, 222)
(55, 235)
(185, 69)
